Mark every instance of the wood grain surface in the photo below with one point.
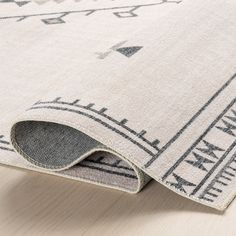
(39, 204)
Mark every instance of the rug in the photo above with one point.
(119, 93)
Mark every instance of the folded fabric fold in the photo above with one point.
(56, 147)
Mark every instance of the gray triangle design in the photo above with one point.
(128, 51)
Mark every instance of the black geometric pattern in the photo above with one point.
(210, 149)
(228, 128)
(199, 161)
(180, 183)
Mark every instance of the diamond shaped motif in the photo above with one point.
(52, 21)
(125, 14)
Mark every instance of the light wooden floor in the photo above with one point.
(37, 204)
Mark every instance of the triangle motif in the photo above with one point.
(128, 51)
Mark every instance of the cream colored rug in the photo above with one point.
(120, 92)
